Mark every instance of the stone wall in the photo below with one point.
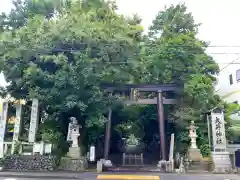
(29, 162)
(70, 164)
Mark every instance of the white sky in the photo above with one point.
(219, 18)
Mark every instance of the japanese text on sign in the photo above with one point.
(34, 121)
(218, 131)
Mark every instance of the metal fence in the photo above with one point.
(132, 159)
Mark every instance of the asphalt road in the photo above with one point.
(8, 178)
(162, 177)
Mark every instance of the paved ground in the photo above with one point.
(92, 176)
(9, 178)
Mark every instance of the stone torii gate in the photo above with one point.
(159, 99)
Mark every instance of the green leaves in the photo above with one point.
(175, 55)
(173, 20)
(63, 61)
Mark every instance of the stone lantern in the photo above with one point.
(194, 153)
(193, 135)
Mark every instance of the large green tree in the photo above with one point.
(62, 52)
(63, 61)
(176, 55)
(25, 9)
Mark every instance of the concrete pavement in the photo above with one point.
(92, 176)
(8, 178)
(49, 175)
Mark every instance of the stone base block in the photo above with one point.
(99, 166)
(106, 163)
(103, 165)
(165, 166)
(194, 155)
(221, 162)
(74, 152)
(69, 164)
(200, 166)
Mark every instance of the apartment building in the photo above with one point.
(228, 85)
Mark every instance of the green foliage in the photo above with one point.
(26, 9)
(205, 150)
(132, 140)
(176, 55)
(232, 125)
(173, 20)
(95, 127)
(130, 122)
(23, 10)
(63, 53)
(63, 61)
(17, 147)
(51, 132)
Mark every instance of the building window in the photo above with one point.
(238, 75)
(230, 79)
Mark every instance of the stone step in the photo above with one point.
(132, 169)
(200, 166)
(197, 171)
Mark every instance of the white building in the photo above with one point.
(228, 85)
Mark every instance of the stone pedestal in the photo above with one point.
(194, 154)
(103, 164)
(70, 164)
(99, 166)
(106, 163)
(165, 166)
(221, 162)
(74, 152)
